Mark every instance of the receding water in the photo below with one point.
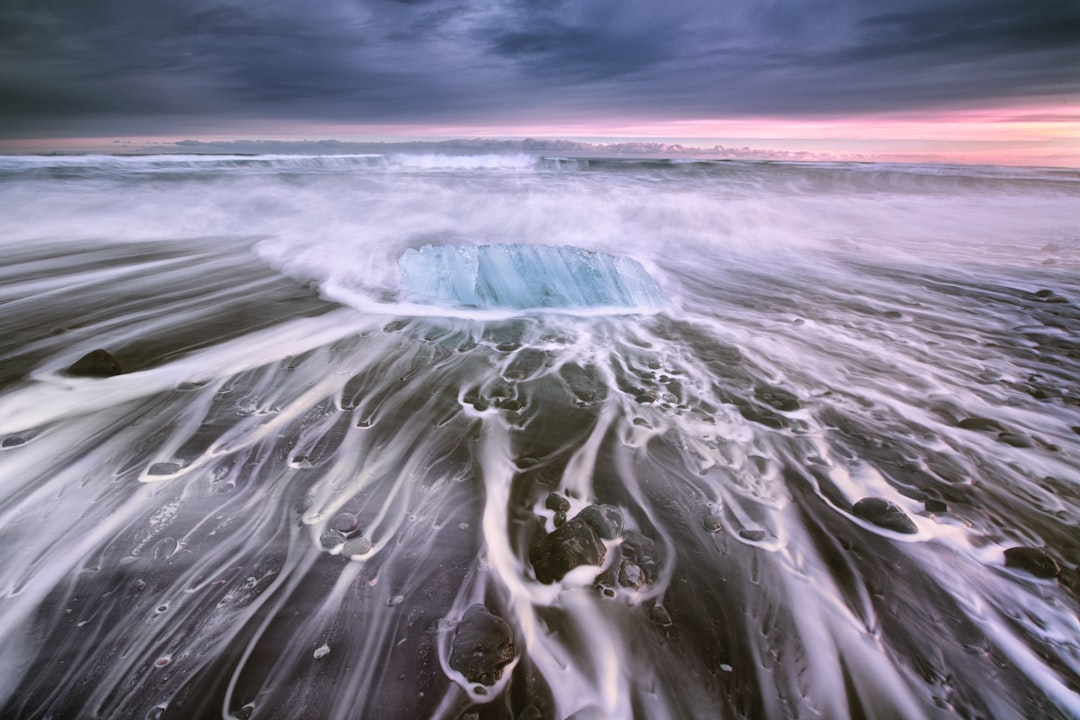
(306, 475)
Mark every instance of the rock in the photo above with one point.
(713, 520)
(13, 441)
(1015, 439)
(980, 423)
(345, 523)
(1033, 560)
(606, 520)
(935, 506)
(572, 545)
(557, 502)
(359, 545)
(660, 615)
(777, 398)
(331, 539)
(753, 535)
(163, 468)
(560, 518)
(482, 645)
(884, 514)
(630, 575)
(892, 315)
(96, 364)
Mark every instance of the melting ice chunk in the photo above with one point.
(526, 276)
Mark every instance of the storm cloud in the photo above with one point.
(125, 66)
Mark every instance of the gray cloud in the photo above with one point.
(156, 66)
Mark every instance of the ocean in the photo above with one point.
(828, 467)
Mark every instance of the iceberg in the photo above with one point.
(526, 276)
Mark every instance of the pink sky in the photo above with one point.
(1046, 134)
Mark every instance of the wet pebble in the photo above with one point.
(331, 539)
(884, 514)
(713, 521)
(981, 424)
(935, 506)
(574, 544)
(1015, 440)
(345, 523)
(660, 616)
(163, 468)
(630, 575)
(559, 519)
(482, 645)
(11, 442)
(777, 398)
(753, 535)
(1033, 560)
(357, 546)
(606, 520)
(96, 364)
(557, 502)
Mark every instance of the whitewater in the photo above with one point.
(513, 436)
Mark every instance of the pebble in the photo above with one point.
(96, 364)
(482, 645)
(1033, 560)
(345, 523)
(606, 520)
(884, 514)
(574, 544)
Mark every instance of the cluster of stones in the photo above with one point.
(344, 532)
(575, 542)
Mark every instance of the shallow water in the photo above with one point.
(830, 333)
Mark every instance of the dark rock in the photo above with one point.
(511, 405)
(660, 615)
(935, 506)
(13, 441)
(1015, 439)
(559, 519)
(482, 645)
(331, 539)
(557, 502)
(884, 514)
(1044, 293)
(713, 520)
(572, 545)
(777, 398)
(630, 575)
(345, 523)
(97, 364)
(163, 468)
(1033, 560)
(892, 315)
(606, 520)
(981, 424)
(753, 535)
(359, 545)
(530, 712)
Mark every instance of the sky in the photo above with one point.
(964, 80)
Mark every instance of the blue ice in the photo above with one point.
(526, 276)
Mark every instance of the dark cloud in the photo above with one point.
(155, 65)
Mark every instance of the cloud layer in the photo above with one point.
(157, 66)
